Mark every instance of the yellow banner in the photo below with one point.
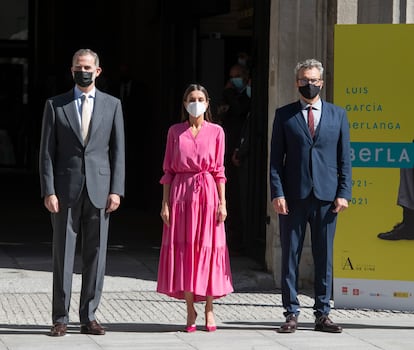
(374, 82)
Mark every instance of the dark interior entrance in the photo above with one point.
(150, 51)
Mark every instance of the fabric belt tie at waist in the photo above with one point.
(198, 179)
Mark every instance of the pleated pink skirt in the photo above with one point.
(194, 256)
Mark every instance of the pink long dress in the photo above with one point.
(194, 256)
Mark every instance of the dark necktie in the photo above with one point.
(311, 122)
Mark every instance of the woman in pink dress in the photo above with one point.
(194, 262)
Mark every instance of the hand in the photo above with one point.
(165, 213)
(280, 206)
(113, 202)
(229, 85)
(221, 212)
(340, 205)
(222, 109)
(51, 202)
(235, 158)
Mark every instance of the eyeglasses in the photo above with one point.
(303, 82)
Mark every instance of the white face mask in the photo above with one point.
(196, 109)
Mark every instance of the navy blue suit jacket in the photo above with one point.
(299, 165)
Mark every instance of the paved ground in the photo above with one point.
(137, 317)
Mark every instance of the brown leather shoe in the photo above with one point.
(92, 327)
(290, 325)
(325, 324)
(58, 329)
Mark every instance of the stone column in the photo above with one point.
(298, 30)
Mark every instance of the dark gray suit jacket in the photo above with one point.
(66, 165)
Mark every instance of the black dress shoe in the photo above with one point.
(400, 231)
(325, 324)
(290, 325)
(92, 327)
(58, 329)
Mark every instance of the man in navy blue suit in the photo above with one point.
(310, 182)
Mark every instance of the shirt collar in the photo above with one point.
(317, 105)
(78, 93)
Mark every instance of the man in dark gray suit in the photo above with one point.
(82, 175)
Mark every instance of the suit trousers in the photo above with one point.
(322, 223)
(92, 224)
(406, 188)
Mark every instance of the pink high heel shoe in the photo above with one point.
(211, 328)
(191, 329)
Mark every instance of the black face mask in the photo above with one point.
(82, 79)
(309, 91)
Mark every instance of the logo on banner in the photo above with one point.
(347, 264)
